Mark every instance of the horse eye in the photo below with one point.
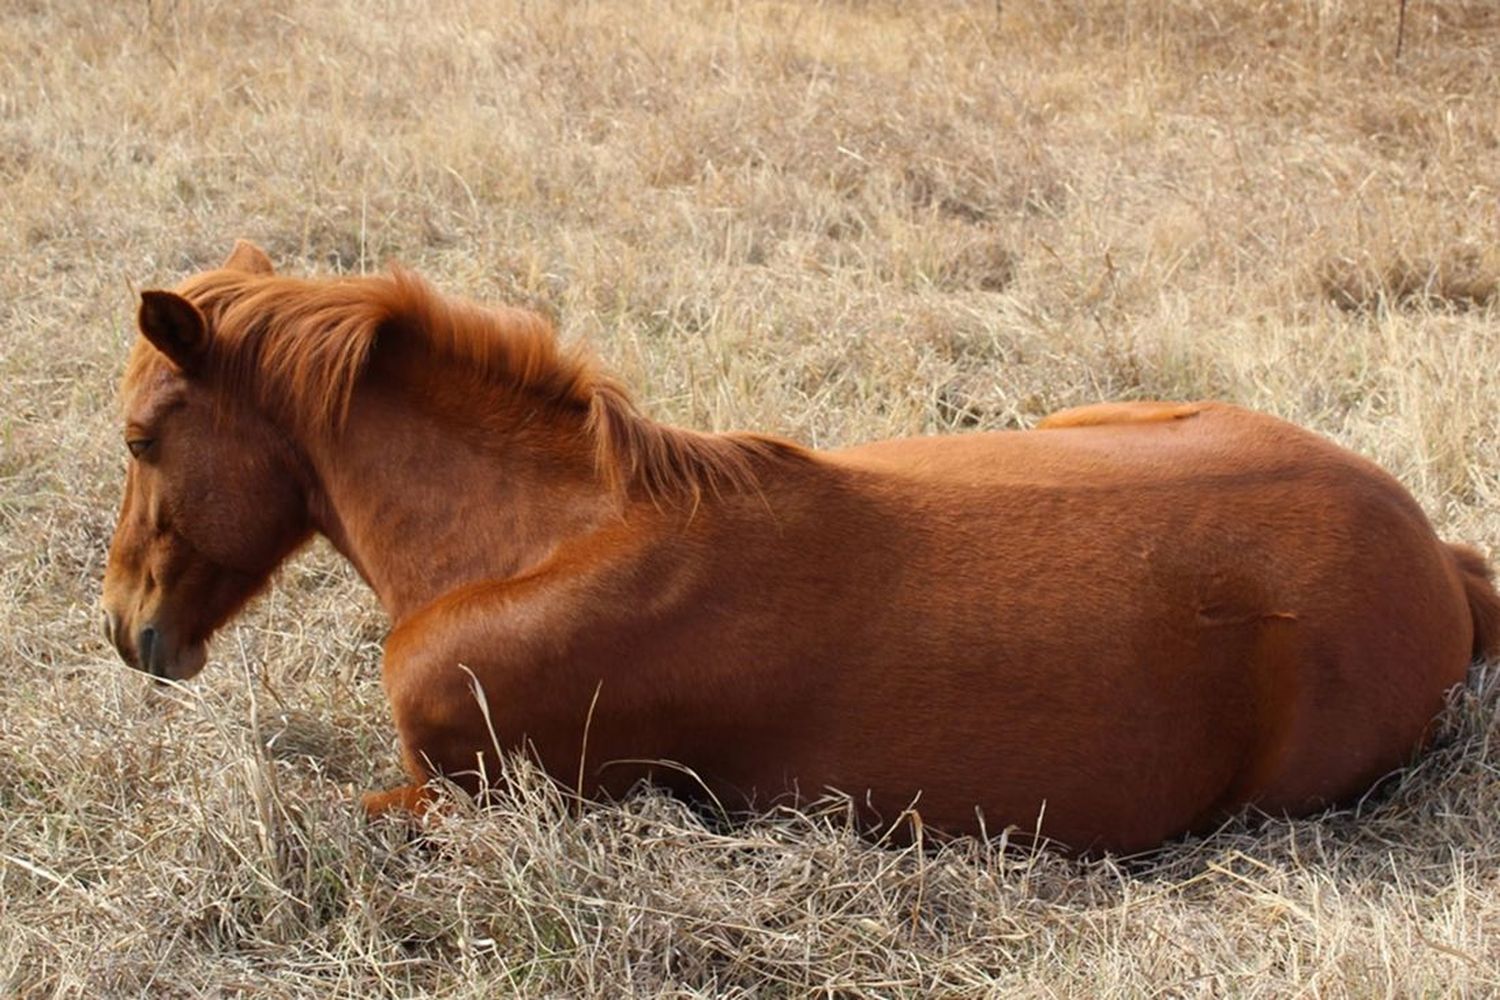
(138, 446)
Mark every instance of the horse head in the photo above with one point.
(214, 499)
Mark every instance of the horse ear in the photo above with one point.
(246, 256)
(175, 327)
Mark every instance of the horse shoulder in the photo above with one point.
(492, 632)
(504, 661)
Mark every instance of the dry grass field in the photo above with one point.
(835, 221)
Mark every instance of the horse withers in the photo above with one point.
(1130, 622)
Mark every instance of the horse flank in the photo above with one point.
(299, 347)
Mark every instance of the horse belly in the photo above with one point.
(1115, 735)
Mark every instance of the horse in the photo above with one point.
(1111, 630)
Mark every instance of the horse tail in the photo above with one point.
(1484, 602)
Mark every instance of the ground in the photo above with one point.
(836, 221)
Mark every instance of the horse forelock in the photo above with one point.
(298, 347)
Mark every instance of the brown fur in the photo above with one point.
(1128, 625)
(1484, 603)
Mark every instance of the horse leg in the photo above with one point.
(411, 800)
(439, 722)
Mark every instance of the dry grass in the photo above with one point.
(837, 221)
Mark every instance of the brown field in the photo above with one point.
(835, 221)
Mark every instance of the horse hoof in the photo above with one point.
(409, 800)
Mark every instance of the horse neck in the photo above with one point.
(423, 500)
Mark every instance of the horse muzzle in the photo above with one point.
(153, 650)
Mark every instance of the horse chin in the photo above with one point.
(186, 664)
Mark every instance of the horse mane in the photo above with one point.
(301, 345)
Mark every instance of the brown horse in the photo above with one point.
(1128, 624)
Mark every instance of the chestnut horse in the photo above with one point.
(1122, 626)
